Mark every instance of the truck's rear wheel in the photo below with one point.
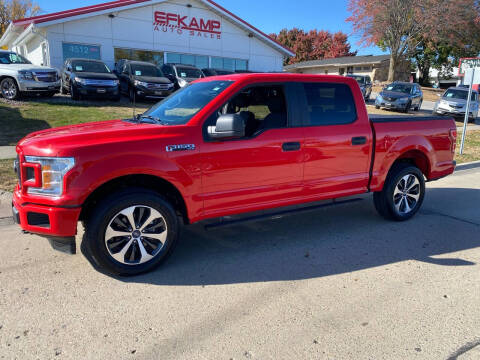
(131, 232)
(403, 193)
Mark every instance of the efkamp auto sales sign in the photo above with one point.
(180, 24)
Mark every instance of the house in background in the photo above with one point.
(374, 66)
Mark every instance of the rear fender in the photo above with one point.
(405, 148)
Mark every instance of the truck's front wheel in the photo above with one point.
(403, 193)
(131, 232)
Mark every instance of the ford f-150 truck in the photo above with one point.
(219, 147)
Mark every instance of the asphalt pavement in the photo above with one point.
(335, 283)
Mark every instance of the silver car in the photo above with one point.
(365, 84)
(18, 76)
(454, 102)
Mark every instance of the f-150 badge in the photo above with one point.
(181, 147)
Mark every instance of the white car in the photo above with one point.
(18, 76)
(454, 102)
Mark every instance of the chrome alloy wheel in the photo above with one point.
(9, 89)
(136, 235)
(406, 194)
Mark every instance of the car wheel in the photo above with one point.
(402, 194)
(131, 232)
(407, 107)
(377, 107)
(74, 92)
(9, 89)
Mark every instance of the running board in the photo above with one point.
(278, 214)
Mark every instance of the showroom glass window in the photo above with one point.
(200, 61)
(84, 51)
(229, 64)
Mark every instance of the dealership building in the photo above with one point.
(195, 32)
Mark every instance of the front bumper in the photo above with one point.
(452, 112)
(58, 224)
(152, 93)
(395, 105)
(100, 91)
(38, 86)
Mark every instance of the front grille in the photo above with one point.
(99, 82)
(162, 87)
(390, 99)
(45, 76)
(456, 106)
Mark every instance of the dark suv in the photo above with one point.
(216, 72)
(181, 74)
(139, 79)
(86, 77)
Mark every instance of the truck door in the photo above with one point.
(338, 141)
(263, 169)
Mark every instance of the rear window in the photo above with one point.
(329, 104)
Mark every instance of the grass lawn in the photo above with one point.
(18, 119)
(8, 179)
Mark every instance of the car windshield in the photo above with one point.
(185, 72)
(181, 106)
(90, 66)
(146, 70)
(458, 94)
(360, 79)
(403, 88)
(12, 58)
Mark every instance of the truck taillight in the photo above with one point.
(453, 139)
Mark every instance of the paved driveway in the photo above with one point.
(336, 283)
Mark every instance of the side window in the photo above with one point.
(167, 70)
(262, 108)
(329, 104)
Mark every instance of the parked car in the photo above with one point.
(454, 102)
(181, 75)
(401, 96)
(218, 148)
(365, 83)
(143, 80)
(89, 78)
(216, 72)
(19, 77)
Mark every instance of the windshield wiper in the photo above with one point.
(156, 120)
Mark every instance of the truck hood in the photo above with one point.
(153, 79)
(66, 140)
(27, 67)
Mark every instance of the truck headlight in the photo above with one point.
(53, 171)
(140, 83)
(26, 75)
(81, 81)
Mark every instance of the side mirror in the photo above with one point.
(230, 126)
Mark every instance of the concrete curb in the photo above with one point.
(468, 166)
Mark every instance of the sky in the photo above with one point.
(270, 16)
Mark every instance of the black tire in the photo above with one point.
(407, 107)
(419, 105)
(106, 211)
(74, 92)
(385, 200)
(9, 89)
(377, 107)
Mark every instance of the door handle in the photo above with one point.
(359, 140)
(291, 146)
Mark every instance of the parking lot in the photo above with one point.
(335, 283)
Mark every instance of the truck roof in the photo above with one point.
(279, 77)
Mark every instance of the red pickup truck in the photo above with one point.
(222, 146)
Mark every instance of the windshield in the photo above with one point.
(458, 94)
(90, 66)
(181, 106)
(403, 88)
(12, 58)
(146, 70)
(360, 79)
(189, 73)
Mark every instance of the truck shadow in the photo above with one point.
(323, 242)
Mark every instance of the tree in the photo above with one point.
(11, 10)
(313, 45)
(401, 25)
